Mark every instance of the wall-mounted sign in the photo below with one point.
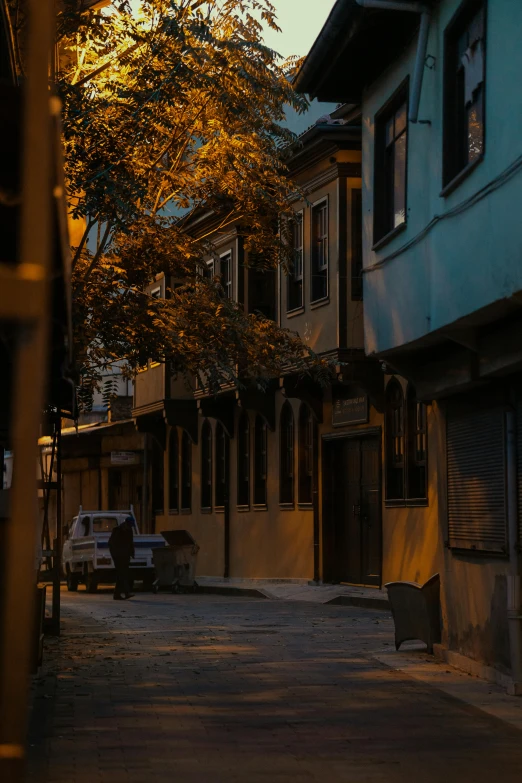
(124, 458)
(349, 408)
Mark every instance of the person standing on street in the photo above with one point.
(121, 547)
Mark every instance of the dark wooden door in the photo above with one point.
(352, 529)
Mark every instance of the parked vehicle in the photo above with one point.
(86, 558)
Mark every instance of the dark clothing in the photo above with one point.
(121, 547)
(122, 586)
(121, 543)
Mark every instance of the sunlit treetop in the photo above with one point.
(169, 110)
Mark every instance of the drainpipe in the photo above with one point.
(514, 600)
(422, 44)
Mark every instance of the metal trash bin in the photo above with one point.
(175, 564)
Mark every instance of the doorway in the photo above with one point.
(352, 520)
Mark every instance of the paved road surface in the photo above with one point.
(208, 689)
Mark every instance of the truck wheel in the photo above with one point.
(72, 581)
(91, 581)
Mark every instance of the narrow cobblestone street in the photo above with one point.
(207, 688)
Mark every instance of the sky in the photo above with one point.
(300, 22)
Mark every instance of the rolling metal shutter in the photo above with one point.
(476, 460)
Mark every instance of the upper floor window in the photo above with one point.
(206, 466)
(260, 461)
(243, 461)
(406, 446)
(286, 455)
(226, 274)
(173, 470)
(391, 136)
(186, 472)
(295, 276)
(464, 83)
(222, 465)
(306, 454)
(357, 251)
(319, 281)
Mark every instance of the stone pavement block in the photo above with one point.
(250, 691)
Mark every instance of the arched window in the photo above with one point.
(173, 470)
(206, 465)
(306, 454)
(417, 479)
(260, 461)
(186, 472)
(395, 442)
(157, 477)
(243, 461)
(222, 465)
(286, 455)
(406, 446)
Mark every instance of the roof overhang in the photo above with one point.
(354, 47)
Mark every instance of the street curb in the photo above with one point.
(359, 600)
(245, 592)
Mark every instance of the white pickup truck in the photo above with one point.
(86, 557)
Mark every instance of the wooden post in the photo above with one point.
(24, 297)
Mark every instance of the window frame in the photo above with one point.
(174, 474)
(186, 473)
(291, 277)
(408, 411)
(319, 204)
(260, 462)
(228, 285)
(307, 436)
(452, 175)
(286, 458)
(158, 478)
(206, 487)
(222, 459)
(243, 461)
(383, 228)
(356, 245)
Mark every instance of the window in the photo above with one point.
(104, 524)
(157, 477)
(243, 461)
(306, 454)
(173, 471)
(262, 292)
(286, 455)
(295, 276)
(319, 283)
(417, 447)
(406, 446)
(222, 463)
(186, 472)
(464, 75)
(395, 461)
(356, 236)
(391, 141)
(260, 461)
(206, 465)
(226, 274)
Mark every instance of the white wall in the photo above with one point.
(465, 262)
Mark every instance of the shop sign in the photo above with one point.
(123, 458)
(349, 410)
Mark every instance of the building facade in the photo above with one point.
(259, 478)
(442, 292)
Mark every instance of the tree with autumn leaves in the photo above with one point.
(171, 112)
